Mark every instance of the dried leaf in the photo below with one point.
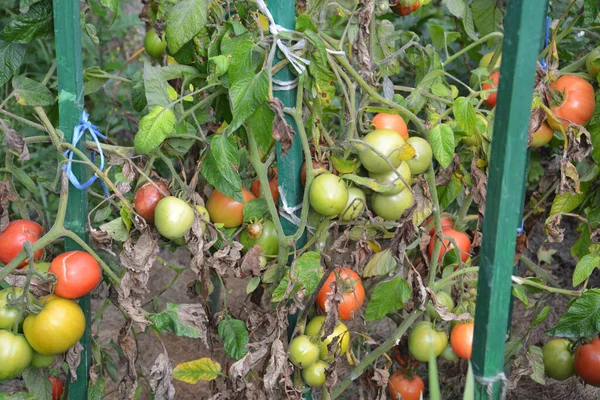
(73, 359)
(362, 55)
(251, 262)
(6, 196)
(14, 142)
(553, 230)
(160, 378)
(580, 143)
(277, 364)
(569, 178)
(444, 176)
(479, 188)
(128, 385)
(282, 131)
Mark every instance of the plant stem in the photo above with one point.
(437, 246)
(522, 281)
(484, 39)
(444, 281)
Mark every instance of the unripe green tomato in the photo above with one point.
(263, 234)
(15, 355)
(328, 195)
(154, 45)
(423, 155)
(422, 338)
(391, 208)
(173, 217)
(448, 354)
(355, 205)
(387, 143)
(443, 298)
(41, 360)
(303, 352)
(485, 60)
(558, 359)
(340, 338)
(592, 62)
(391, 178)
(8, 316)
(314, 375)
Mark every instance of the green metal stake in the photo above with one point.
(67, 30)
(507, 171)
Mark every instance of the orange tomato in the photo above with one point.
(578, 101)
(391, 121)
(542, 136)
(446, 223)
(462, 240)
(226, 211)
(461, 339)
(405, 10)
(403, 387)
(77, 274)
(15, 235)
(353, 292)
(273, 186)
(491, 99)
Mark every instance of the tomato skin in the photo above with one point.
(446, 223)
(422, 337)
(8, 316)
(273, 187)
(42, 361)
(448, 354)
(340, 338)
(391, 121)
(423, 155)
(173, 217)
(77, 274)
(558, 359)
(405, 10)
(56, 328)
(354, 292)
(303, 352)
(328, 195)
(267, 238)
(542, 136)
(444, 299)
(12, 238)
(462, 240)
(492, 96)
(154, 45)
(391, 208)
(147, 197)
(15, 353)
(405, 388)
(226, 211)
(388, 143)
(391, 178)
(314, 375)
(461, 340)
(578, 102)
(57, 387)
(587, 362)
(355, 204)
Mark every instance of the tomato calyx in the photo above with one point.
(557, 97)
(255, 229)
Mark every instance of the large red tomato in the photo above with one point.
(462, 240)
(391, 121)
(77, 274)
(226, 211)
(587, 362)
(147, 197)
(13, 237)
(461, 339)
(351, 286)
(577, 103)
(403, 387)
(491, 99)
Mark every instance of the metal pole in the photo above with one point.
(67, 30)
(523, 35)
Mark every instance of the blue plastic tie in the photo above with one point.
(547, 38)
(78, 134)
(522, 228)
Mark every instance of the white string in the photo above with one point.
(288, 212)
(284, 85)
(336, 52)
(489, 383)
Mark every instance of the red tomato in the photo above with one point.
(77, 274)
(446, 223)
(491, 99)
(461, 340)
(405, 10)
(147, 197)
(578, 102)
(13, 237)
(226, 211)
(353, 292)
(404, 387)
(57, 387)
(273, 183)
(391, 121)
(462, 240)
(587, 362)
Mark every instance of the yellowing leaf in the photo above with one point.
(192, 371)
(344, 166)
(407, 152)
(380, 264)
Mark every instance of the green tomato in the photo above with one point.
(592, 62)
(41, 360)
(387, 143)
(263, 234)
(485, 60)
(355, 205)
(303, 352)
(8, 316)
(443, 298)
(155, 46)
(391, 208)
(558, 359)
(15, 354)
(422, 338)
(42, 266)
(448, 354)
(391, 178)
(423, 155)
(340, 338)
(173, 217)
(328, 195)
(315, 374)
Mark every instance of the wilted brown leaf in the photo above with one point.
(160, 378)
(444, 176)
(129, 383)
(73, 359)
(554, 232)
(6, 196)
(195, 315)
(362, 55)
(569, 178)
(479, 188)
(251, 262)
(276, 366)
(282, 131)
(14, 142)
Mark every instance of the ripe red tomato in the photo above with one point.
(147, 197)
(446, 223)
(461, 340)
(405, 10)
(351, 286)
(391, 121)
(77, 274)
(273, 183)
(13, 237)
(587, 362)
(403, 387)
(491, 99)
(578, 101)
(57, 387)
(462, 240)
(542, 136)
(226, 211)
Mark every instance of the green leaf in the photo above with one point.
(441, 38)
(112, 5)
(179, 319)
(581, 247)
(37, 22)
(370, 183)
(241, 57)
(96, 391)
(582, 319)
(380, 264)
(536, 358)
(138, 92)
(456, 7)
(464, 112)
(255, 209)
(541, 317)
(566, 202)
(591, 8)
(594, 131)
(584, 268)
(184, 21)
(176, 71)
(235, 337)
(307, 275)
(447, 194)
(180, 146)
(387, 297)
(441, 139)
(520, 292)
(153, 129)
(11, 57)
(247, 95)
(93, 80)
(319, 69)
(220, 167)
(260, 125)
(38, 383)
(116, 229)
(219, 64)
(484, 15)
(32, 93)
(192, 371)
(156, 87)
(252, 284)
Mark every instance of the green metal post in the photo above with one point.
(523, 36)
(67, 30)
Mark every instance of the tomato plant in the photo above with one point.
(349, 284)
(314, 375)
(444, 299)
(405, 10)
(77, 273)
(154, 45)
(398, 179)
(355, 204)
(338, 341)
(263, 234)
(13, 237)
(173, 217)
(57, 387)
(391, 208)
(452, 236)
(492, 86)
(381, 151)
(328, 195)
(42, 361)
(406, 387)
(273, 187)
(8, 314)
